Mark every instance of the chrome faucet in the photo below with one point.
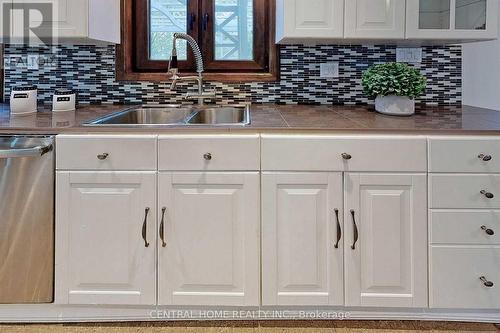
(174, 69)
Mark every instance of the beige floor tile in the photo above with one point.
(257, 327)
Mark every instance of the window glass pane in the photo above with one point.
(434, 14)
(471, 14)
(166, 18)
(234, 29)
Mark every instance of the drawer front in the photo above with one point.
(464, 191)
(106, 152)
(476, 154)
(209, 153)
(455, 277)
(324, 153)
(480, 227)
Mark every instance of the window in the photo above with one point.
(236, 38)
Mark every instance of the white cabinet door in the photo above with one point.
(5, 9)
(210, 228)
(451, 19)
(102, 226)
(309, 19)
(302, 250)
(68, 18)
(375, 19)
(385, 240)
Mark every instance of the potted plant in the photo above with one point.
(394, 86)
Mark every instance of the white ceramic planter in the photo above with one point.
(395, 105)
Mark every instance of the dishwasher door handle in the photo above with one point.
(25, 152)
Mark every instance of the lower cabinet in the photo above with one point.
(385, 240)
(105, 236)
(209, 239)
(302, 250)
(465, 277)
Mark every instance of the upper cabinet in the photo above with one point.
(65, 20)
(390, 20)
(451, 19)
(375, 19)
(309, 19)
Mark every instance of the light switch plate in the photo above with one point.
(329, 70)
(410, 55)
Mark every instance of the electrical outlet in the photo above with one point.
(410, 55)
(329, 70)
(33, 61)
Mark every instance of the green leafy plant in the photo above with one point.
(393, 78)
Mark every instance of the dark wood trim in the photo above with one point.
(126, 57)
(141, 23)
(259, 64)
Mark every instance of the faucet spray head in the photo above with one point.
(173, 66)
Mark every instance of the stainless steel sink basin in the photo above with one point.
(176, 115)
(221, 116)
(145, 116)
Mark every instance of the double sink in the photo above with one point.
(176, 115)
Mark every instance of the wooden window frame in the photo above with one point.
(131, 64)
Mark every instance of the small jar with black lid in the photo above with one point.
(23, 100)
(64, 100)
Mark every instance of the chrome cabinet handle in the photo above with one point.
(487, 194)
(103, 156)
(490, 232)
(346, 156)
(356, 234)
(486, 283)
(162, 227)
(207, 156)
(145, 227)
(484, 157)
(339, 229)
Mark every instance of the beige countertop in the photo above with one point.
(274, 118)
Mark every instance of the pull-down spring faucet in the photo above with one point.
(173, 68)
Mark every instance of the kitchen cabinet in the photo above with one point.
(309, 19)
(105, 238)
(5, 9)
(375, 19)
(464, 249)
(209, 239)
(452, 19)
(68, 20)
(302, 248)
(385, 240)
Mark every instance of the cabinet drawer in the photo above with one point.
(324, 153)
(106, 152)
(480, 227)
(455, 277)
(464, 191)
(476, 154)
(209, 153)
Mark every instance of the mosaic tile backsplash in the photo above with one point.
(90, 70)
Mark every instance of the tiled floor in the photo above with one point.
(255, 327)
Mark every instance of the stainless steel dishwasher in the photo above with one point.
(26, 219)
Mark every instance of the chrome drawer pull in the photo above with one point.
(339, 229)
(346, 156)
(102, 157)
(207, 156)
(356, 234)
(162, 227)
(486, 283)
(145, 227)
(484, 157)
(487, 194)
(490, 232)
